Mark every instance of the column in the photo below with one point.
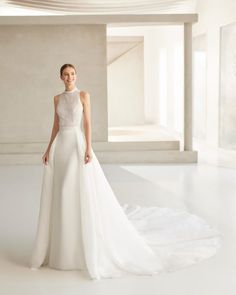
(188, 86)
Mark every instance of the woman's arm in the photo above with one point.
(87, 119)
(55, 127)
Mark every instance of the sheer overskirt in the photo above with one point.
(82, 225)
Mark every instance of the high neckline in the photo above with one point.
(70, 91)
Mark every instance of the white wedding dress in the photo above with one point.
(82, 226)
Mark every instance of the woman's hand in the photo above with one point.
(88, 156)
(46, 157)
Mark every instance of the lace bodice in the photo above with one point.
(69, 108)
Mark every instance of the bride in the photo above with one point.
(81, 224)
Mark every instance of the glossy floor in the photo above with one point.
(204, 189)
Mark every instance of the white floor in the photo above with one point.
(202, 188)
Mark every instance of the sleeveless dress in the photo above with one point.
(82, 226)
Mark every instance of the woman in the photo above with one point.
(81, 224)
(68, 75)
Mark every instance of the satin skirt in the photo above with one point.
(82, 226)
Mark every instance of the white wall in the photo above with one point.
(213, 15)
(164, 77)
(30, 58)
(199, 86)
(126, 89)
(155, 39)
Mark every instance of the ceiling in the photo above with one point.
(96, 6)
(120, 45)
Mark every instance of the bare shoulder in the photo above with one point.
(55, 98)
(85, 96)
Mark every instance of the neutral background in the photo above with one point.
(30, 58)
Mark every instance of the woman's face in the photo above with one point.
(69, 76)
